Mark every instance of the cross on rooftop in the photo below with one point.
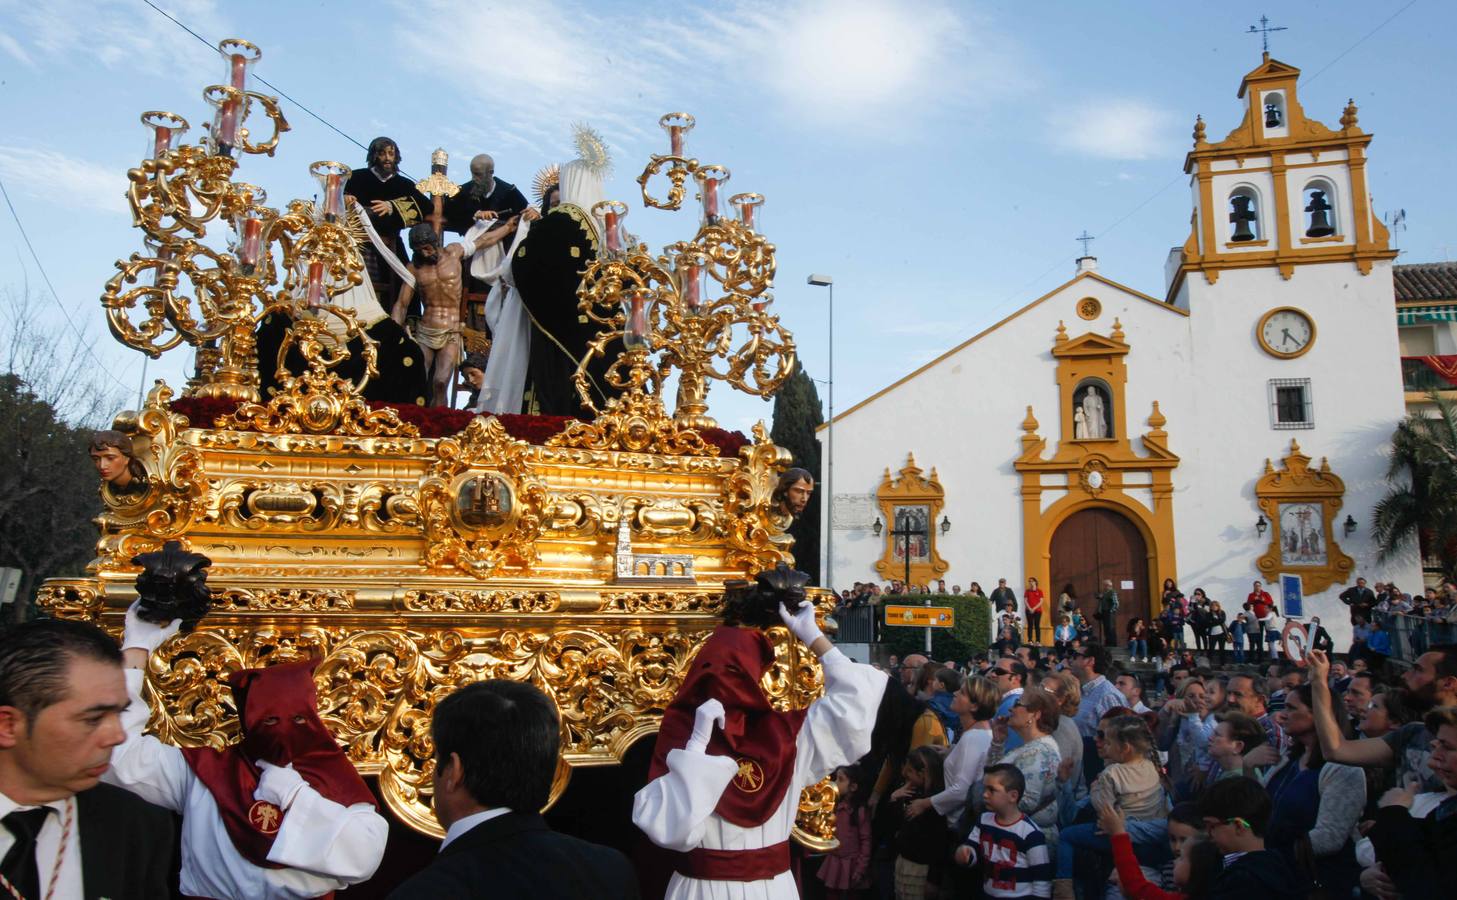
(1264, 32)
(1086, 239)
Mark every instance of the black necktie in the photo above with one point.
(19, 866)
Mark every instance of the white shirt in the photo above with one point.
(964, 765)
(676, 809)
(461, 826)
(47, 843)
(324, 845)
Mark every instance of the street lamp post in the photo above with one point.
(829, 526)
(905, 529)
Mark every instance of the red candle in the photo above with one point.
(614, 241)
(250, 244)
(227, 134)
(333, 197)
(692, 291)
(675, 139)
(238, 65)
(315, 295)
(746, 215)
(637, 323)
(710, 198)
(161, 141)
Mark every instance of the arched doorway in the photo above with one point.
(1096, 544)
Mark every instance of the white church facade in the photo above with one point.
(1234, 429)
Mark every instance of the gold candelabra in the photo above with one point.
(660, 307)
(177, 191)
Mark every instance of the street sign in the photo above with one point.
(920, 616)
(1292, 597)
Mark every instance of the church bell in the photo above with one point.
(1320, 216)
(1272, 116)
(1241, 217)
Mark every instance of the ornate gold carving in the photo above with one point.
(482, 550)
(69, 598)
(636, 422)
(755, 527)
(814, 823)
(661, 602)
(1290, 498)
(295, 599)
(318, 402)
(921, 499)
(481, 601)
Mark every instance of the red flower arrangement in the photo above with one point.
(439, 421)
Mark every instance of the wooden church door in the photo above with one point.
(1096, 544)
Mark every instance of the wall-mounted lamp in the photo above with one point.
(877, 527)
(1261, 526)
(1349, 526)
(945, 524)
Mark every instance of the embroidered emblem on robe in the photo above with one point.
(265, 817)
(750, 776)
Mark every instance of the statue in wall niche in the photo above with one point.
(1094, 408)
(1080, 424)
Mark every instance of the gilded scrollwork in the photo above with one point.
(636, 422)
(525, 601)
(662, 602)
(506, 538)
(318, 402)
(755, 528)
(285, 600)
(70, 599)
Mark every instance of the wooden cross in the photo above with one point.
(1086, 239)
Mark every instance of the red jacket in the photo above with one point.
(1260, 604)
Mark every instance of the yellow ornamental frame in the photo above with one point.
(1297, 483)
(910, 488)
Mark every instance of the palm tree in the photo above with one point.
(1421, 506)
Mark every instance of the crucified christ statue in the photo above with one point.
(438, 274)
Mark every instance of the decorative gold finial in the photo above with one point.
(1198, 130)
(1029, 424)
(1117, 332)
(1061, 331)
(1348, 117)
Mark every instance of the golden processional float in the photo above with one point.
(591, 564)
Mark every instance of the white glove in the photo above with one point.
(801, 623)
(144, 635)
(278, 785)
(709, 713)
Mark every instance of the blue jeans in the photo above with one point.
(1150, 843)
(1137, 648)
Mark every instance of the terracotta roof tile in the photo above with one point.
(1426, 281)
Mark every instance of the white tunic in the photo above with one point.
(325, 846)
(676, 810)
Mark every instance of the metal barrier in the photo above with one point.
(857, 624)
(1412, 635)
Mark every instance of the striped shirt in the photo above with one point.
(1014, 857)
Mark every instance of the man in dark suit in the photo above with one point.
(64, 834)
(496, 748)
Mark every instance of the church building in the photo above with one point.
(1231, 429)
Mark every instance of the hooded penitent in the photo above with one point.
(759, 738)
(278, 712)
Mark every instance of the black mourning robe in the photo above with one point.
(408, 207)
(548, 269)
(460, 210)
(401, 362)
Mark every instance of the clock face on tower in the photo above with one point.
(1285, 332)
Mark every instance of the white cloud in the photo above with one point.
(64, 180)
(120, 34)
(1114, 128)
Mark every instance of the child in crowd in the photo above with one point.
(1197, 860)
(1082, 629)
(1235, 812)
(1062, 635)
(846, 870)
(922, 841)
(1237, 630)
(1009, 846)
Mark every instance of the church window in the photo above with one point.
(1290, 404)
(1244, 216)
(1092, 411)
(1320, 208)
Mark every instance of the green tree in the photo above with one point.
(796, 415)
(1421, 507)
(51, 400)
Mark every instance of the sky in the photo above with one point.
(937, 159)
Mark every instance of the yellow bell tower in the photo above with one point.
(1281, 190)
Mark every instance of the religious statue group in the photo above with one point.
(494, 311)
